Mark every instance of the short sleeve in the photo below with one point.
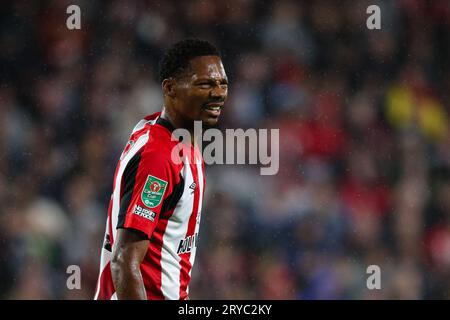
(147, 182)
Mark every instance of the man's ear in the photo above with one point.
(168, 87)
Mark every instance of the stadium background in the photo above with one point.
(364, 143)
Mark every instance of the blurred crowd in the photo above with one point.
(364, 122)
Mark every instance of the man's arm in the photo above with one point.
(129, 250)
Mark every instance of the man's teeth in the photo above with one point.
(214, 108)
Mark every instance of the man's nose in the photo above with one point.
(218, 92)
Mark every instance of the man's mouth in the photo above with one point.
(214, 108)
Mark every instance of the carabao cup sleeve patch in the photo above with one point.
(153, 191)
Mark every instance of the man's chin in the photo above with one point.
(210, 122)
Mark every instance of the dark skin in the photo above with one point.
(197, 94)
(129, 250)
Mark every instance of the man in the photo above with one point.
(154, 213)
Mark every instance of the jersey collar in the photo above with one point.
(165, 123)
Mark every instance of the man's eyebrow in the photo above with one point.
(211, 79)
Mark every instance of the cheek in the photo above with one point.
(196, 97)
(190, 102)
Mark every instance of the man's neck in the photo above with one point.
(166, 115)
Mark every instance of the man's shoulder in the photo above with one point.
(144, 124)
(159, 145)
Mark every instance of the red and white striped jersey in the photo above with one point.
(162, 198)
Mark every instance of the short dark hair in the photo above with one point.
(176, 59)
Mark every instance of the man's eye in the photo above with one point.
(204, 85)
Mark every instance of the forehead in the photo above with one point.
(207, 67)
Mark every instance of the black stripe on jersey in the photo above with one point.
(107, 243)
(128, 180)
(165, 123)
(172, 200)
